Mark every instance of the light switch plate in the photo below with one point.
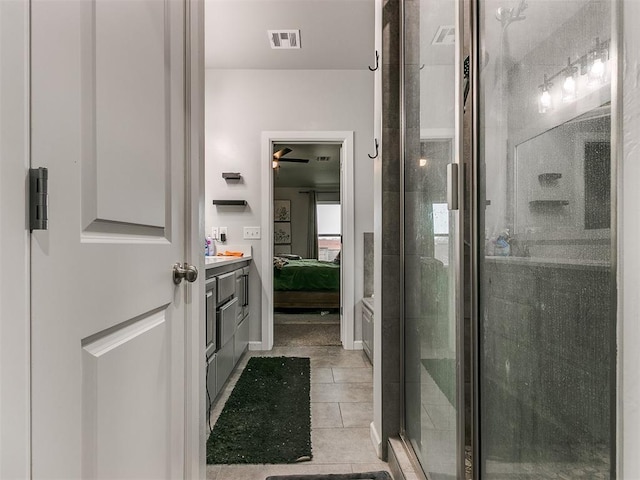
(251, 233)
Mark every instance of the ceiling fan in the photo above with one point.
(278, 157)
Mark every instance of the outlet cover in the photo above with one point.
(251, 233)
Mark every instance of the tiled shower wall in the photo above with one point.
(391, 162)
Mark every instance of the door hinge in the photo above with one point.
(38, 199)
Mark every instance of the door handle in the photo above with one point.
(186, 271)
(452, 186)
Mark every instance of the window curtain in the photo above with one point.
(312, 232)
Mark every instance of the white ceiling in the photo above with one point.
(334, 34)
(315, 174)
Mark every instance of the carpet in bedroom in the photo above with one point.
(306, 329)
(298, 335)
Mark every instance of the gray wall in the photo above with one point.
(240, 105)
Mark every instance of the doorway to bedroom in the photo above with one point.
(307, 246)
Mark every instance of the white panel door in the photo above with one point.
(108, 323)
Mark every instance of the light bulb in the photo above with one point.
(596, 72)
(274, 164)
(423, 162)
(569, 89)
(544, 102)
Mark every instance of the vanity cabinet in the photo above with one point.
(227, 321)
(548, 352)
(367, 328)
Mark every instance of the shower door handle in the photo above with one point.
(452, 186)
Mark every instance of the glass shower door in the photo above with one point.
(546, 286)
(430, 237)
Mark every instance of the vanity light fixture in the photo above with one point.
(596, 70)
(592, 64)
(569, 87)
(544, 102)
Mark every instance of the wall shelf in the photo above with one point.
(230, 202)
(548, 203)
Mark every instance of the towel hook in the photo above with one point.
(376, 155)
(377, 58)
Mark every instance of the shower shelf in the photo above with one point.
(548, 203)
(549, 178)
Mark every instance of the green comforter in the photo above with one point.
(308, 275)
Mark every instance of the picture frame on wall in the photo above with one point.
(282, 210)
(281, 233)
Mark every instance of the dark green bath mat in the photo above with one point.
(345, 476)
(267, 418)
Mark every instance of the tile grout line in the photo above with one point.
(340, 410)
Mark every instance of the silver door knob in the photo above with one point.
(186, 271)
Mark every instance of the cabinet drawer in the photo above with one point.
(212, 388)
(226, 286)
(367, 332)
(210, 318)
(241, 340)
(224, 364)
(227, 318)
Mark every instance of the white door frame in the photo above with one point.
(15, 242)
(195, 453)
(347, 287)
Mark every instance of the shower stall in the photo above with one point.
(509, 238)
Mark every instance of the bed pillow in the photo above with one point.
(290, 256)
(279, 262)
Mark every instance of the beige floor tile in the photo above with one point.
(321, 375)
(342, 392)
(352, 375)
(308, 468)
(325, 415)
(330, 360)
(243, 472)
(212, 472)
(342, 445)
(370, 467)
(357, 414)
(335, 449)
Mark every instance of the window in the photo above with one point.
(441, 232)
(329, 230)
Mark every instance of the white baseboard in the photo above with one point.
(357, 345)
(375, 439)
(255, 346)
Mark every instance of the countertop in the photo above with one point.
(566, 263)
(219, 261)
(212, 262)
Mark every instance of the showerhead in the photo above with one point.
(522, 6)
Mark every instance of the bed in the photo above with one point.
(306, 283)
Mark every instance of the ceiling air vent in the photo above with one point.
(323, 159)
(446, 35)
(284, 38)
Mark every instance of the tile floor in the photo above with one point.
(341, 411)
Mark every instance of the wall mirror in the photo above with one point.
(562, 185)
